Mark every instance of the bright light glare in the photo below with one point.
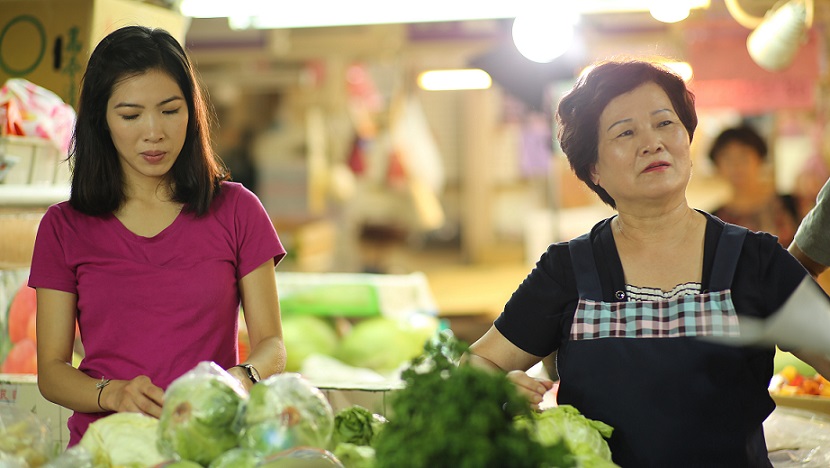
(444, 80)
(544, 33)
(316, 13)
(683, 69)
(670, 12)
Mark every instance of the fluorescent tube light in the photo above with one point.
(445, 80)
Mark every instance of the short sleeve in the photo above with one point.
(257, 239)
(811, 236)
(766, 276)
(533, 317)
(49, 268)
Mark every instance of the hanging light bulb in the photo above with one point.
(544, 32)
(670, 12)
(774, 43)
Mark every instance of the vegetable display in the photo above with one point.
(451, 414)
(448, 413)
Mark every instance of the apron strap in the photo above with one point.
(726, 256)
(585, 270)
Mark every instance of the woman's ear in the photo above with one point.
(594, 175)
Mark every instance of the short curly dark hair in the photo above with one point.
(743, 134)
(579, 110)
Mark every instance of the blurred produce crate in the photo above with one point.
(355, 294)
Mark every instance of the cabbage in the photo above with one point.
(285, 411)
(123, 440)
(178, 464)
(236, 458)
(382, 343)
(302, 457)
(198, 418)
(305, 335)
(584, 437)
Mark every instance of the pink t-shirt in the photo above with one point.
(154, 306)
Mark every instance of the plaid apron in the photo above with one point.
(673, 399)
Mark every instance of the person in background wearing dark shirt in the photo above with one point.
(740, 156)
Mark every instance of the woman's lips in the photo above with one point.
(656, 166)
(153, 156)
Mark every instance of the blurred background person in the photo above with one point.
(740, 157)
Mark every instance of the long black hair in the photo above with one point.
(97, 179)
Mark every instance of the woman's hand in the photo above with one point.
(138, 395)
(533, 389)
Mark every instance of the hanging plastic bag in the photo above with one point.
(27, 109)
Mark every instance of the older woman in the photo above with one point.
(626, 305)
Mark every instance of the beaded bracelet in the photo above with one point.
(100, 386)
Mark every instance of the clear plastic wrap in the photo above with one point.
(25, 438)
(285, 411)
(798, 438)
(199, 418)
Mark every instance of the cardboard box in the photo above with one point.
(48, 42)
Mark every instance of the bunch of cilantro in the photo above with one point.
(453, 414)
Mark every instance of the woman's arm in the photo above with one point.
(495, 352)
(261, 309)
(65, 385)
(815, 268)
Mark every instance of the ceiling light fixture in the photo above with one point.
(447, 80)
(777, 36)
(670, 12)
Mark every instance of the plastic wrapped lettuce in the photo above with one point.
(76, 456)
(124, 440)
(584, 437)
(237, 458)
(302, 457)
(285, 411)
(198, 419)
(25, 439)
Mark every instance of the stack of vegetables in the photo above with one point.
(448, 413)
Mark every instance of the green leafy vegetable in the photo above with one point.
(356, 425)
(124, 440)
(382, 344)
(305, 335)
(584, 437)
(286, 411)
(355, 456)
(237, 458)
(451, 414)
(198, 418)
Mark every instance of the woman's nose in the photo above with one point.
(153, 130)
(650, 144)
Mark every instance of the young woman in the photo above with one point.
(637, 307)
(155, 250)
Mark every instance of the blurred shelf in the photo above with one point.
(32, 195)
